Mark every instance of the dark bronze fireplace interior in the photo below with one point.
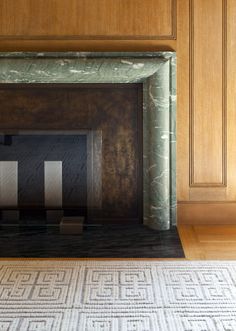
(115, 110)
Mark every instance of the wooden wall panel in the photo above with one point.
(207, 108)
(94, 19)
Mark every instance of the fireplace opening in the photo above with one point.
(71, 150)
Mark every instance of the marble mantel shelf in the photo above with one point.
(157, 72)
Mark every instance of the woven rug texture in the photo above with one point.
(117, 295)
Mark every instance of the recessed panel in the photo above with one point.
(208, 111)
(88, 18)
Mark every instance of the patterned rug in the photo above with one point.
(117, 295)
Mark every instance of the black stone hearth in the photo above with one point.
(101, 241)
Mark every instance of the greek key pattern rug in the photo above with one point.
(117, 295)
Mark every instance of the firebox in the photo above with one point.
(71, 150)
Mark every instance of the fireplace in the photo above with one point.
(88, 134)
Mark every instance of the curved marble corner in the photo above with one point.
(157, 72)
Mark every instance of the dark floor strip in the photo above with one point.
(103, 241)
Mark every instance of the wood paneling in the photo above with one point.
(94, 19)
(204, 212)
(208, 242)
(201, 102)
(207, 108)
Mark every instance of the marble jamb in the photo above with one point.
(157, 72)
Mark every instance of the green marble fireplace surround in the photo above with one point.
(157, 72)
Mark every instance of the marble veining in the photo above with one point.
(157, 72)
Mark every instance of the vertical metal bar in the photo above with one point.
(8, 183)
(53, 184)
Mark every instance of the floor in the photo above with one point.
(199, 242)
(96, 242)
(203, 242)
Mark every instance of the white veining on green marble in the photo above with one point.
(157, 72)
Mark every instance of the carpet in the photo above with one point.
(43, 295)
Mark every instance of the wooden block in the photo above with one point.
(71, 225)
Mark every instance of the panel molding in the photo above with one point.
(69, 37)
(192, 182)
(51, 45)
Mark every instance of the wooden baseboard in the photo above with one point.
(208, 213)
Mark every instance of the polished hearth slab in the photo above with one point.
(101, 241)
